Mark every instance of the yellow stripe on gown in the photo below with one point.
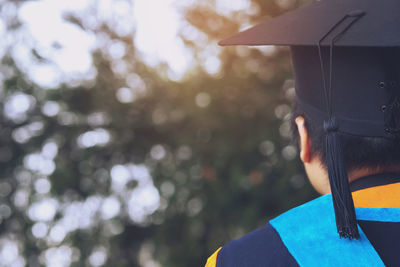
(212, 260)
(384, 196)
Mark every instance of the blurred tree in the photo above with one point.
(130, 168)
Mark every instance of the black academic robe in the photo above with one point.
(306, 235)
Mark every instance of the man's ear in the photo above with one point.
(305, 142)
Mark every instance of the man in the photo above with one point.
(346, 60)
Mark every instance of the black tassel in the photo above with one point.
(342, 200)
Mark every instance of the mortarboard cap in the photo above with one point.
(307, 24)
(346, 61)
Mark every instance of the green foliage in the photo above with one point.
(216, 146)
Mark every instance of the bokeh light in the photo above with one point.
(127, 131)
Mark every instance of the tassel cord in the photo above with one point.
(342, 199)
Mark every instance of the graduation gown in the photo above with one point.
(306, 235)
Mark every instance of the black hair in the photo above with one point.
(375, 153)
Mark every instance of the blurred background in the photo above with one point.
(128, 137)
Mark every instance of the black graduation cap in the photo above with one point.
(346, 61)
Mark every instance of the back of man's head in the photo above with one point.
(374, 153)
